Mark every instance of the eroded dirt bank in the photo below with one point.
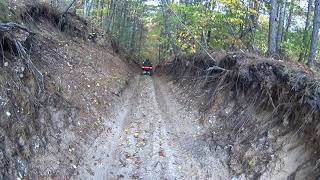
(151, 136)
(56, 89)
(264, 112)
(64, 113)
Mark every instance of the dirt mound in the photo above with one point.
(56, 88)
(264, 112)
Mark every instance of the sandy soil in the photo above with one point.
(151, 136)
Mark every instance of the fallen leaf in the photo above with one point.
(136, 135)
(161, 153)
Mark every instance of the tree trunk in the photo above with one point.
(305, 34)
(133, 35)
(87, 8)
(292, 4)
(281, 23)
(272, 42)
(123, 24)
(254, 24)
(208, 37)
(98, 6)
(160, 48)
(101, 13)
(314, 37)
(166, 27)
(112, 8)
(140, 38)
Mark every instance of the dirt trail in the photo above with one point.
(151, 136)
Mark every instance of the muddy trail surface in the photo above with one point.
(151, 136)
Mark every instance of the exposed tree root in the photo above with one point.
(5, 27)
(284, 97)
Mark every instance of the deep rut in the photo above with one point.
(151, 137)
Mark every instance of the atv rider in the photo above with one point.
(147, 67)
(147, 63)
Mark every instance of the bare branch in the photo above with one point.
(68, 7)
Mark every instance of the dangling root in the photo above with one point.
(7, 28)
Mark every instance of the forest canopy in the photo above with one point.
(164, 28)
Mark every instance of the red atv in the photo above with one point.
(147, 70)
(147, 67)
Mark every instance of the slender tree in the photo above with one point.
(111, 12)
(289, 19)
(87, 6)
(304, 48)
(254, 24)
(314, 37)
(166, 26)
(281, 23)
(272, 42)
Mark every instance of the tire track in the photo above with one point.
(165, 113)
(151, 139)
(95, 163)
(193, 158)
